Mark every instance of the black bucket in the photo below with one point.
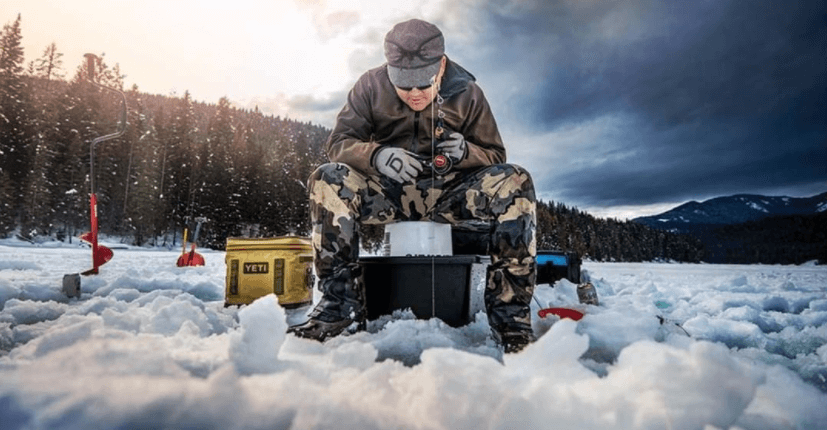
(439, 287)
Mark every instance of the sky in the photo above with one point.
(619, 108)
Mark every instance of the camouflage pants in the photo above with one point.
(502, 195)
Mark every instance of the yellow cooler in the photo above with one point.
(257, 267)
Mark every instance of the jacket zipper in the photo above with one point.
(415, 139)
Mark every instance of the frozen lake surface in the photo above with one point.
(150, 345)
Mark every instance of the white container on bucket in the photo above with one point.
(417, 238)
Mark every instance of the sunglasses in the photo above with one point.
(421, 88)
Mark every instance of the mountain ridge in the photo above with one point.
(731, 210)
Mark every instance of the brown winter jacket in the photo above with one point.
(375, 116)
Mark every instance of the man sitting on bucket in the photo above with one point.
(398, 118)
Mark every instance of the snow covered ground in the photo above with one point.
(150, 345)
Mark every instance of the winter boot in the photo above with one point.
(323, 325)
(507, 298)
(342, 304)
(512, 339)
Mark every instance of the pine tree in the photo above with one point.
(37, 211)
(252, 179)
(111, 156)
(74, 131)
(14, 138)
(142, 208)
(178, 160)
(38, 205)
(7, 222)
(217, 191)
(50, 65)
(125, 149)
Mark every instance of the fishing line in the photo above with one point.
(434, 125)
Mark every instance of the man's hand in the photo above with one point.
(397, 164)
(454, 146)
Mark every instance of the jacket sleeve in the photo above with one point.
(351, 141)
(485, 146)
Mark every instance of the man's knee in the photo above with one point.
(508, 190)
(520, 179)
(514, 169)
(332, 183)
(331, 173)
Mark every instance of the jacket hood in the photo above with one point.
(455, 81)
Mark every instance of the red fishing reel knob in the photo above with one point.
(442, 164)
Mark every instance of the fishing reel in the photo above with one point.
(441, 163)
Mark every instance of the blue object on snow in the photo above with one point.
(553, 265)
(555, 260)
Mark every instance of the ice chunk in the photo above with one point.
(255, 346)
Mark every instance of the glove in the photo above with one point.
(454, 146)
(397, 164)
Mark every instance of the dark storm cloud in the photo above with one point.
(714, 97)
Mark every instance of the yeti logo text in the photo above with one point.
(256, 268)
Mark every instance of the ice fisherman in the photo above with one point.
(397, 118)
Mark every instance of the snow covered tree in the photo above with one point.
(37, 207)
(217, 191)
(178, 158)
(252, 180)
(14, 138)
(44, 94)
(111, 156)
(142, 207)
(74, 129)
(7, 221)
